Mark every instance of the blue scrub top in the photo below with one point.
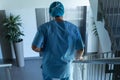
(59, 41)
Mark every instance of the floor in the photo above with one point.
(31, 71)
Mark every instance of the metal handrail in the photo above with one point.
(100, 61)
(5, 65)
(100, 58)
(7, 70)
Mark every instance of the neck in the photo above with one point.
(59, 19)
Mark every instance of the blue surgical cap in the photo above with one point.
(56, 9)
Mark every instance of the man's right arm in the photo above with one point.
(79, 54)
(34, 48)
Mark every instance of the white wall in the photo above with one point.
(94, 6)
(29, 28)
(92, 40)
(0, 53)
(26, 8)
(20, 4)
(104, 38)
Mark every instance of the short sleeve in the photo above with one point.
(38, 40)
(79, 42)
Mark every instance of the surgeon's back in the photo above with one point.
(58, 41)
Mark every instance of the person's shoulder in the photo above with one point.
(70, 24)
(44, 25)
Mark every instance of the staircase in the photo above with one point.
(105, 65)
(111, 12)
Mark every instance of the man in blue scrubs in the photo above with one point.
(60, 43)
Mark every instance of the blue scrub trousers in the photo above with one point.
(45, 77)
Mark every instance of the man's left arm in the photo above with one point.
(38, 41)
